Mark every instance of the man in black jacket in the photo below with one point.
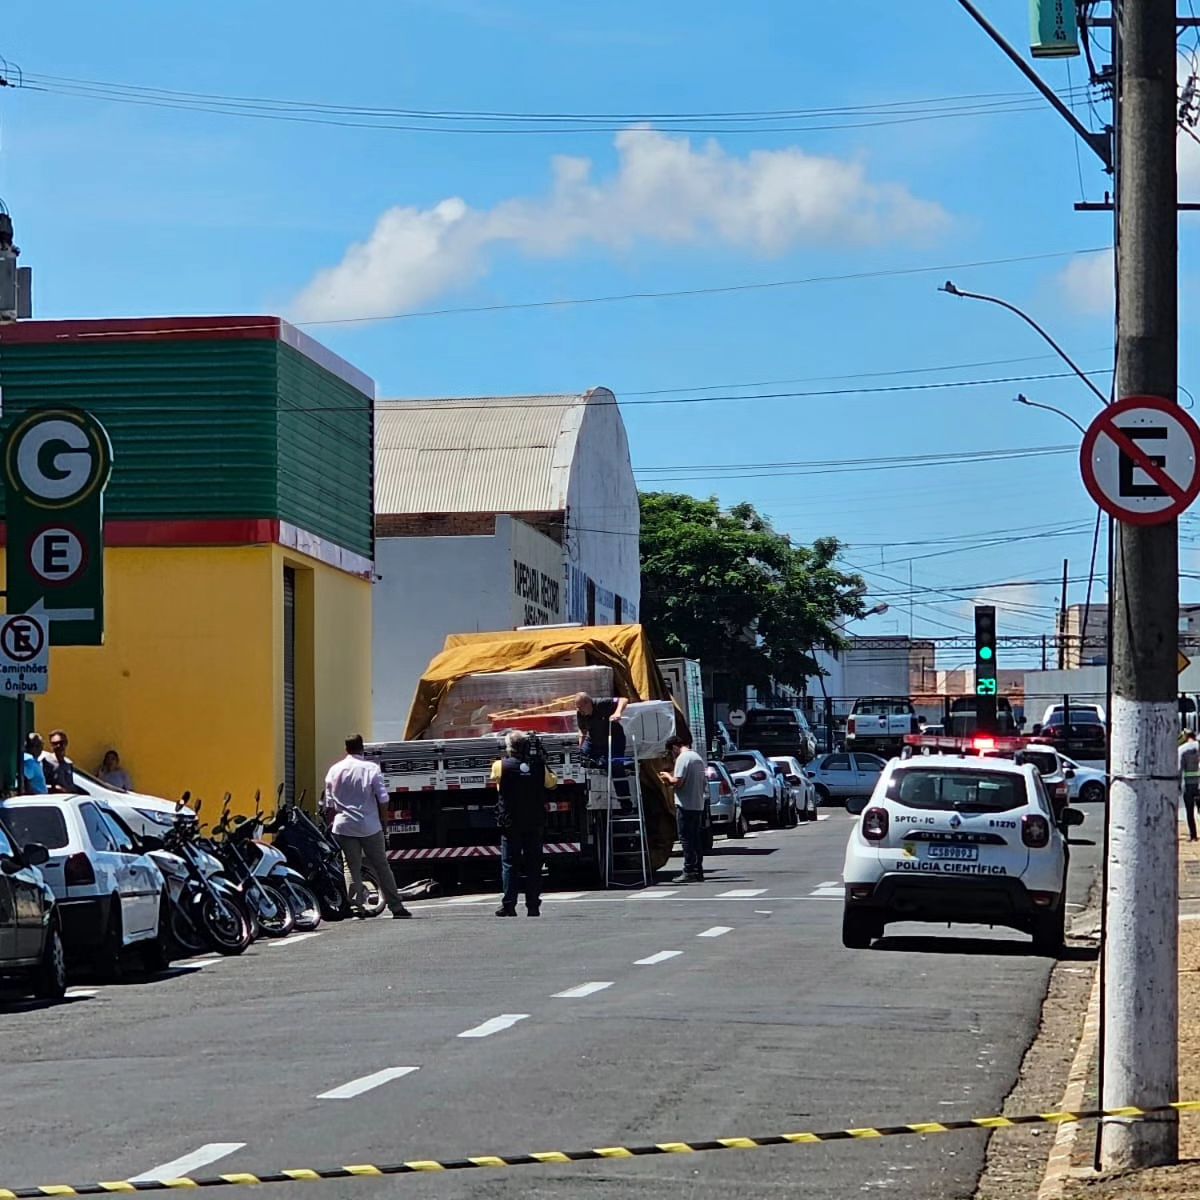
(523, 779)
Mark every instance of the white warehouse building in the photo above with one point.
(491, 513)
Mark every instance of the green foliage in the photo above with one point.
(725, 588)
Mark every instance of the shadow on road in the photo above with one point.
(726, 851)
(986, 947)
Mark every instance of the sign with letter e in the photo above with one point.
(24, 655)
(56, 466)
(1141, 460)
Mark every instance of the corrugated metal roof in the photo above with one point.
(477, 454)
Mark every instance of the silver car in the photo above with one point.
(724, 802)
(844, 776)
(804, 793)
(760, 789)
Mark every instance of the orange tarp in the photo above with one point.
(624, 648)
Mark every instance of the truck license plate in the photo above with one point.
(964, 853)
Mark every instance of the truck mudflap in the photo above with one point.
(474, 851)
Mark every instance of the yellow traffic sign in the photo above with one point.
(1184, 662)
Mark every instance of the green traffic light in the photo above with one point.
(985, 652)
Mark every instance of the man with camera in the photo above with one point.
(522, 779)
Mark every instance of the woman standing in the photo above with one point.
(113, 775)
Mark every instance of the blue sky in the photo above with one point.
(127, 209)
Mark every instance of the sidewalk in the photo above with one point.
(1181, 1182)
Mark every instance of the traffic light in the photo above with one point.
(986, 675)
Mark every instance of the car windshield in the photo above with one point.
(42, 823)
(740, 762)
(882, 708)
(972, 791)
(1079, 716)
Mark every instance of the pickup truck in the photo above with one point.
(880, 724)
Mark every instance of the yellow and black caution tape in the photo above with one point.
(607, 1153)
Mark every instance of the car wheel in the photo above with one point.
(811, 809)
(822, 794)
(1092, 793)
(50, 979)
(1050, 930)
(739, 827)
(110, 958)
(156, 953)
(859, 929)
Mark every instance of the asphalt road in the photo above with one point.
(714, 1010)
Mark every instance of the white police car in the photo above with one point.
(951, 838)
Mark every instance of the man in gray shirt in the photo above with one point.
(1189, 774)
(690, 782)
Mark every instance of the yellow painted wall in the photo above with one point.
(188, 686)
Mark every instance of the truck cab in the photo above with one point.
(879, 724)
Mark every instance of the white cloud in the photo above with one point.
(664, 189)
(1086, 283)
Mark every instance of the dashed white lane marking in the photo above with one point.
(829, 883)
(204, 960)
(564, 896)
(823, 816)
(653, 894)
(474, 899)
(583, 989)
(356, 1087)
(177, 1168)
(294, 939)
(654, 959)
(716, 931)
(829, 892)
(494, 1025)
(81, 993)
(741, 894)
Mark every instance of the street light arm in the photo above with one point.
(1021, 399)
(950, 290)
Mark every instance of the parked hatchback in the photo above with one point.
(31, 945)
(724, 803)
(760, 788)
(111, 897)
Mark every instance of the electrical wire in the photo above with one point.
(268, 326)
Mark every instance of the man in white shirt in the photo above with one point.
(356, 807)
(691, 786)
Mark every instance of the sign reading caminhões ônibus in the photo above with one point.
(541, 594)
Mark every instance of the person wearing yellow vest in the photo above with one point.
(1189, 774)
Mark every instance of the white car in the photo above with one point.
(951, 838)
(760, 788)
(145, 815)
(111, 897)
(1088, 785)
(724, 803)
(804, 793)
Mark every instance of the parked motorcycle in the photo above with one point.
(270, 866)
(269, 909)
(311, 850)
(205, 911)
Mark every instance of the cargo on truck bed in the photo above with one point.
(443, 804)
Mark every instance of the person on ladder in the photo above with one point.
(602, 739)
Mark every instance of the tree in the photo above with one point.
(727, 589)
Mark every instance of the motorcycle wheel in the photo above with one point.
(335, 903)
(374, 899)
(305, 906)
(225, 925)
(272, 911)
(189, 939)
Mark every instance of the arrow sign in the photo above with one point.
(39, 610)
(1140, 460)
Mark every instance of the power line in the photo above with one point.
(267, 326)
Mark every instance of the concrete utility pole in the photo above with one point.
(1140, 961)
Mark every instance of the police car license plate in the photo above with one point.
(963, 853)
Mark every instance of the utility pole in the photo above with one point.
(1140, 1062)
(1062, 620)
